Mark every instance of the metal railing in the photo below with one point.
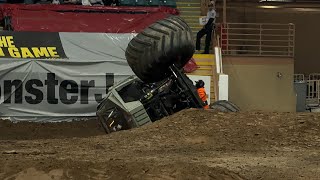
(313, 92)
(299, 78)
(257, 39)
(314, 76)
(313, 87)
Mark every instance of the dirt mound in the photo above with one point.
(118, 169)
(192, 144)
(244, 130)
(41, 130)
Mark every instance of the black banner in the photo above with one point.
(31, 45)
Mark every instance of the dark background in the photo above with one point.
(35, 39)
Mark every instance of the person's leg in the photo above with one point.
(208, 40)
(209, 24)
(200, 34)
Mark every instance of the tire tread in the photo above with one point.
(153, 50)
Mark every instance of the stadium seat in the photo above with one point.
(154, 2)
(170, 3)
(141, 2)
(127, 2)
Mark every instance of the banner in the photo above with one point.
(70, 18)
(30, 45)
(48, 75)
(43, 88)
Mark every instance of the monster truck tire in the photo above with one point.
(165, 42)
(224, 106)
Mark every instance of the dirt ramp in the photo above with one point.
(45, 130)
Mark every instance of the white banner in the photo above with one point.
(67, 87)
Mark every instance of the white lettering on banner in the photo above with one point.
(70, 91)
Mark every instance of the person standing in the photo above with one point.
(207, 29)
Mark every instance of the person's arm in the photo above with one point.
(207, 19)
(201, 93)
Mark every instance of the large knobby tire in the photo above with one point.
(165, 42)
(224, 106)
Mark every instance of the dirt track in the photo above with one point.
(192, 144)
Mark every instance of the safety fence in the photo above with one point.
(298, 77)
(313, 87)
(257, 39)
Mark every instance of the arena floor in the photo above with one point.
(192, 144)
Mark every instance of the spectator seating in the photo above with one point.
(154, 2)
(169, 3)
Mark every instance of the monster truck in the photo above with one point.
(160, 88)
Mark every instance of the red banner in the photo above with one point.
(74, 18)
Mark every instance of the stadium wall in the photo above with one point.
(261, 83)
